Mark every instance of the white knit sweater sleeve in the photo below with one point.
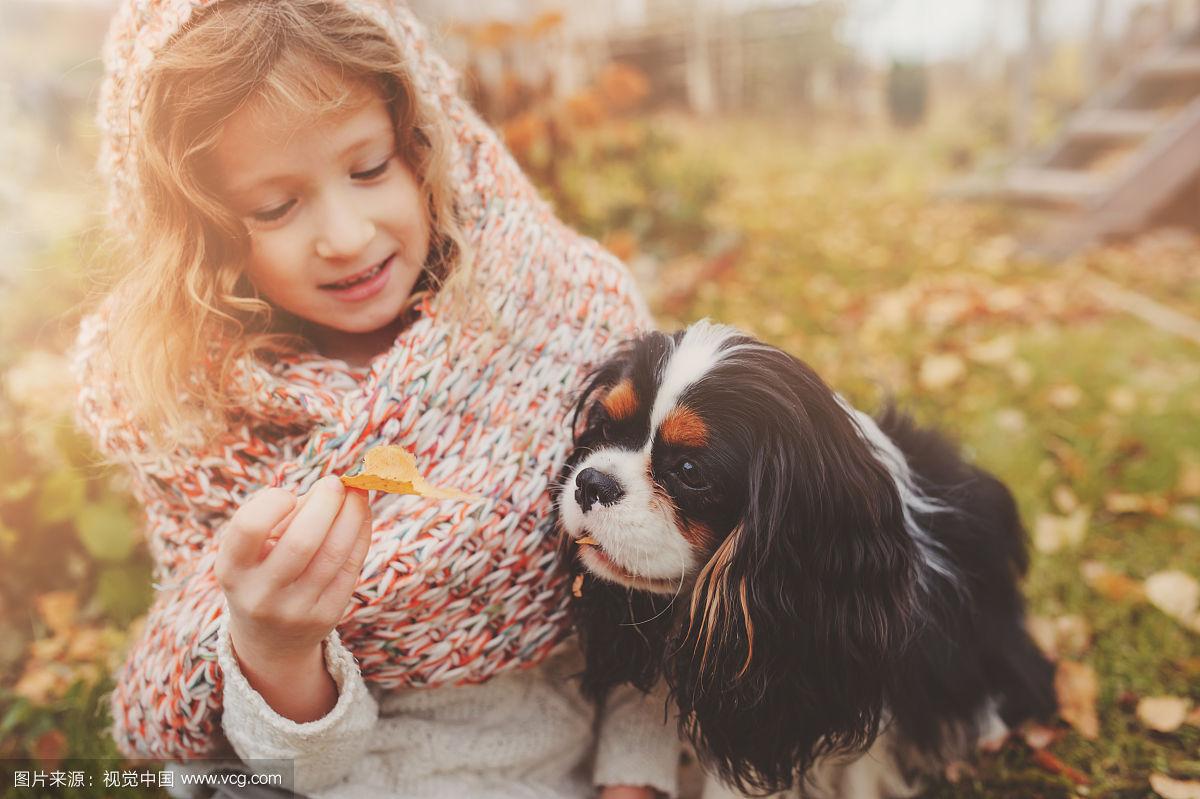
(637, 742)
(324, 751)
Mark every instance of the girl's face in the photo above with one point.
(339, 229)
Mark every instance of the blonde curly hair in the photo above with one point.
(184, 312)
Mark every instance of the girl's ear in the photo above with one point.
(798, 618)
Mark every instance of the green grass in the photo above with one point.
(832, 222)
(838, 230)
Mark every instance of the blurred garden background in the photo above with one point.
(987, 209)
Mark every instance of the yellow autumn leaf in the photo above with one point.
(1066, 635)
(1122, 400)
(42, 683)
(1122, 502)
(1020, 373)
(1064, 499)
(1077, 687)
(1052, 533)
(1169, 788)
(1188, 484)
(58, 610)
(1109, 583)
(941, 371)
(1176, 594)
(1163, 713)
(1038, 736)
(1064, 396)
(394, 470)
(993, 352)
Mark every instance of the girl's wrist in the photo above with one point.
(249, 651)
(297, 688)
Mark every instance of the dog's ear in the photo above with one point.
(622, 631)
(603, 377)
(798, 618)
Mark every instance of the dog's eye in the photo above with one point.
(689, 474)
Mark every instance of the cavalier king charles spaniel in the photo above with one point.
(831, 598)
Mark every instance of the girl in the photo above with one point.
(328, 250)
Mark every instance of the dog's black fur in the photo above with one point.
(820, 614)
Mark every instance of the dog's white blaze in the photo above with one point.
(696, 354)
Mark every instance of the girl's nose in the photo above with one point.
(343, 233)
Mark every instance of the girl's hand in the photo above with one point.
(288, 568)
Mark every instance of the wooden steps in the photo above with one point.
(1180, 64)
(1113, 124)
(1121, 158)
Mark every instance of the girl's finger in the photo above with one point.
(341, 587)
(338, 544)
(242, 540)
(304, 535)
(278, 530)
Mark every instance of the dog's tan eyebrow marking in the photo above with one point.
(621, 402)
(683, 427)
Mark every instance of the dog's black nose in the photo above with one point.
(592, 486)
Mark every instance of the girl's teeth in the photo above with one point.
(348, 283)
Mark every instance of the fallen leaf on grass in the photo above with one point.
(1110, 583)
(1011, 420)
(1020, 373)
(1054, 533)
(1163, 713)
(1176, 594)
(1064, 396)
(1038, 736)
(41, 684)
(1119, 502)
(1076, 687)
(1187, 514)
(58, 610)
(1002, 300)
(1055, 766)
(993, 352)
(1188, 484)
(1169, 788)
(938, 313)
(1066, 635)
(1122, 399)
(940, 372)
(1064, 499)
(1070, 461)
(50, 748)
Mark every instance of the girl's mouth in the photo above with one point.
(364, 284)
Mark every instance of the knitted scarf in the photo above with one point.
(451, 593)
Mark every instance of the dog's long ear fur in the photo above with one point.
(622, 631)
(797, 618)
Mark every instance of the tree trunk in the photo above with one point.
(1097, 46)
(700, 89)
(1023, 112)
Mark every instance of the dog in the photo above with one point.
(832, 599)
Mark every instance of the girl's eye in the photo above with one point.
(689, 474)
(373, 172)
(272, 214)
